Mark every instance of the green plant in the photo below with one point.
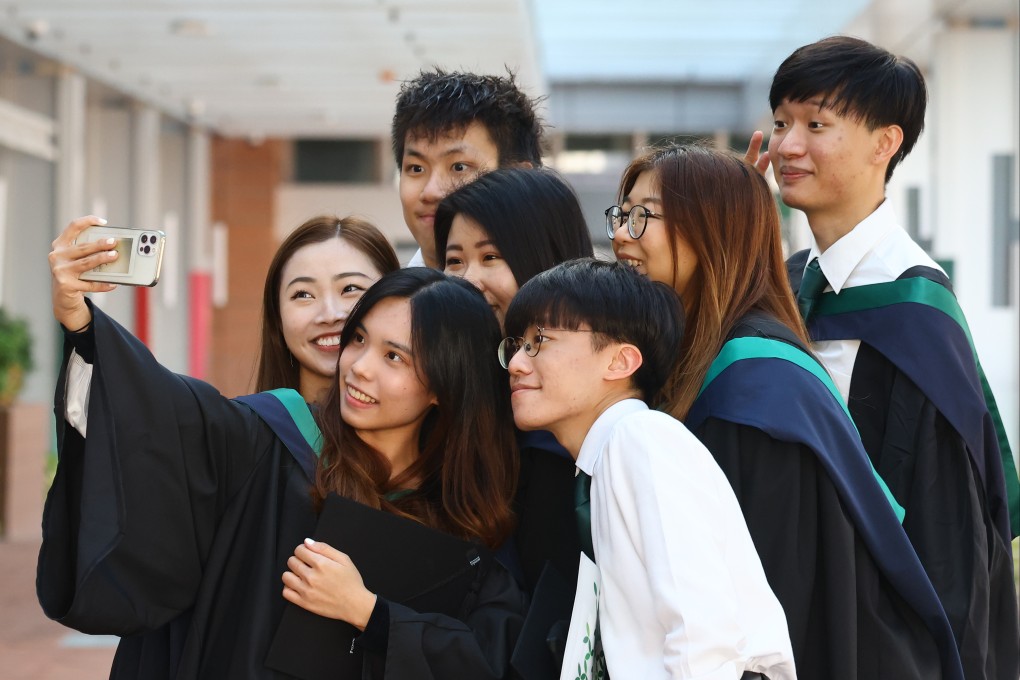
(15, 356)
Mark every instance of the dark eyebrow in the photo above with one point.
(486, 242)
(336, 277)
(403, 348)
(648, 199)
(457, 149)
(344, 275)
(300, 279)
(397, 345)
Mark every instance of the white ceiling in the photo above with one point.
(275, 67)
(332, 67)
(690, 41)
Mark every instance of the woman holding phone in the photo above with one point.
(174, 514)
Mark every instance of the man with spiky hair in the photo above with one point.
(447, 129)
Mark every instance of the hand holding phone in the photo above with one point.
(139, 255)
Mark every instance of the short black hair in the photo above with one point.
(531, 214)
(438, 102)
(857, 79)
(617, 303)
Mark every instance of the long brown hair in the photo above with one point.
(276, 366)
(725, 211)
(467, 464)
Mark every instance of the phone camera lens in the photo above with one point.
(146, 249)
(145, 238)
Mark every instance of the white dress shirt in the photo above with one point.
(877, 250)
(417, 260)
(683, 591)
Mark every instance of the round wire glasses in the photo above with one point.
(636, 218)
(508, 347)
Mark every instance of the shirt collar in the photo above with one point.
(595, 441)
(843, 256)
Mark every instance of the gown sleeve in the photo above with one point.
(438, 647)
(928, 467)
(134, 507)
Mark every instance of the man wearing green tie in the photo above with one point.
(882, 318)
(680, 588)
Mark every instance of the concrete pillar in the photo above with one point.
(145, 191)
(70, 170)
(974, 115)
(199, 180)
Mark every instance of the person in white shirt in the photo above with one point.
(883, 319)
(683, 591)
(448, 128)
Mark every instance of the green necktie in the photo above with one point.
(811, 287)
(582, 510)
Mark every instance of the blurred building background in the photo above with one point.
(228, 123)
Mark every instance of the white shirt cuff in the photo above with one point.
(76, 393)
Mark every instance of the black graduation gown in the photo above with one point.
(546, 523)
(547, 545)
(814, 511)
(171, 524)
(916, 398)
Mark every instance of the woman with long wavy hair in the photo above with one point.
(857, 601)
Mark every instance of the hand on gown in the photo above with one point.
(324, 581)
(68, 262)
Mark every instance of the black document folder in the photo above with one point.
(400, 560)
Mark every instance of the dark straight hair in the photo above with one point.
(438, 102)
(860, 80)
(531, 214)
(617, 303)
(467, 459)
(276, 366)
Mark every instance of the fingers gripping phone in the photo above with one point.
(139, 255)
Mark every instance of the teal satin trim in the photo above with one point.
(301, 415)
(923, 291)
(740, 349)
(394, 496)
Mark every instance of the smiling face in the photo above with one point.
(471, 255)
(827, 165)
(651, 254)
(561, 389)
(381, 395)
(319, 285)
(431, 169)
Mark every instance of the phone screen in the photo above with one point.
(122, 265)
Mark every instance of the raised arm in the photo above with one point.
(134, 506)
(68, 261)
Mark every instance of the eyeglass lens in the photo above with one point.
(637, 219)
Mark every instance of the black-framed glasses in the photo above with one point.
(508, 347)
(636, 217)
